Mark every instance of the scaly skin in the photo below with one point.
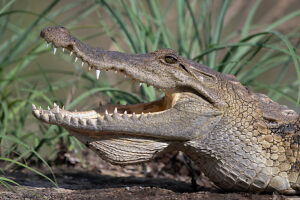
(241, 140)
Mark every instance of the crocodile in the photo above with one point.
(241, 140)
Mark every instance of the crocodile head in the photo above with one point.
(191, 107)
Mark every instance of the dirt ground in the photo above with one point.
(166, 177)
(81, 185)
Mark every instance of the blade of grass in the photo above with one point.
(109, 32)
(251, 56)
(181, 25)
(15, 48)
(237, 55)
(160, 20)
(3, 181)
(294, 57)
(257, 70)
(6, 6)
(196, 27)
(218, 31)
(121, 24)
(31, 169)
(284, 69)
(249, 19)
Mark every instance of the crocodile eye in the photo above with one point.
(170, 59)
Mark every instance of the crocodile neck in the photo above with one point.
(246, 153)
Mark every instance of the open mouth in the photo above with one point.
(160, 119)
(135, 111)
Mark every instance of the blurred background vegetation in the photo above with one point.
(257, 41)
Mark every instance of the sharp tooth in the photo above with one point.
(63, 49)
(48, 108)
(142, 116)
(125, 115)
(37, 113)
(54, 50)
(40, 108)
(116, 110)
(148, 115)
(106, 112)
(141, 84)
(90, 68)
(45, 117)
(71, 53)
(76, 59)
(59, 116)
(47, 44)
(54, 104)
(134, 117)
(57, 109)
(100, 120)
(81, 121)
(91, 122)
(67, 119)
(33, 107)
(82, 64)
(97, 73)
(74, 121)
(63, 107)
(52, 118)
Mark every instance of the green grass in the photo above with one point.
(197, 32)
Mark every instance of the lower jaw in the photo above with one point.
(97, 123)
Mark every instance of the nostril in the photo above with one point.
(42, 34)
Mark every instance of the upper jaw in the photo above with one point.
(97, 59)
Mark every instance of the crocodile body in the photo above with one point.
(241, 140)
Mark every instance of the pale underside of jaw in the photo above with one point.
(107, 112)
